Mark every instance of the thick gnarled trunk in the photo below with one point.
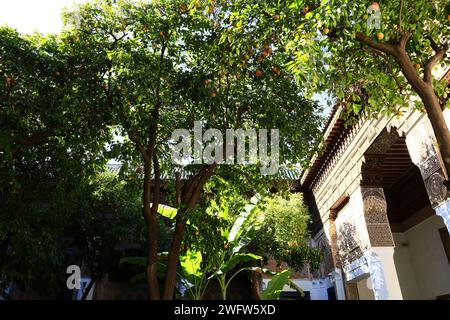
(432, 106)
(189, 198)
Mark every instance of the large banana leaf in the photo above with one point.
(191, 266)
(237, 258)
(245, 238)
(275, 286)
(167, 211)
(244, 222)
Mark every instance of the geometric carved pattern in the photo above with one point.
(426, 157)
(437, 192)
(375, 213)
(429, 166)
(375, 206)
(380, 235)
(372, 170)
(378, 155)
(383, 142)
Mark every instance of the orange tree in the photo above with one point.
(337, 46)
(48, 116)
(170, 63)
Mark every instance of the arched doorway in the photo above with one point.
(419, 236)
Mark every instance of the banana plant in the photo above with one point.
(193, 274)
(277, 283)
(236, 239)
(275, 286)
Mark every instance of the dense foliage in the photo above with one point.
(284, 234)
(115, 83)
(165, 65)
(372, 69)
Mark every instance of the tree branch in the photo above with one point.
(383, 47)
(404, 39)
(177, 188)
(438, 56)
(136, 142)
(190, 185)
(433, 43)
(400, 16)
(142, 151)
(201, 182)
(157, 193)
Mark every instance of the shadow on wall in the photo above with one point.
(349, 248)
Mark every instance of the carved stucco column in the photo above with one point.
(423, 151)
(375, 214)
(380, 257)
(379, 232)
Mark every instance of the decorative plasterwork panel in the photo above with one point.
(383, 142)
(374, 156)
(375, 213)
(356, 268)
(421, 146)
(349, 243)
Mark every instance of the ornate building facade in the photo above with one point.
(380, 211)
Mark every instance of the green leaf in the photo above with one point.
(167, 211)
(138, 278)
(138, 261)
(242, 222)
(238, 258)
(191, 265)
(275, 286)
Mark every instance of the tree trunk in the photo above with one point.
(440, 128)
(150, 219)
(423, 87)
(191, 194)
(172, 261)
(432, 106)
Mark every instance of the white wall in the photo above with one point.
(420, 259)
(406, 275)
